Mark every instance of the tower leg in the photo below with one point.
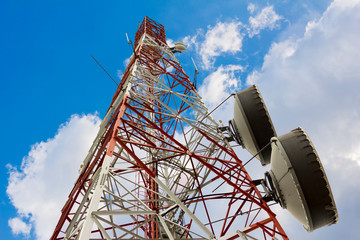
(95, 200)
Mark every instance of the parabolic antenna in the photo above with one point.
(300, 181)
(179, 47)
(252, 123)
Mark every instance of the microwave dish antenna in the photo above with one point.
(178, 47)
(297, 179)
(252, 123)
(300, 181)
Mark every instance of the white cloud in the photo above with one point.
(219, 84)
(191, 41)
(18, 226)
(40, 187)
(217, 87)
(251, 8)
(227, 37)
(222, 38)
(267, 18)
(313, 82)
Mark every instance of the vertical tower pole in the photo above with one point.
(159, 139)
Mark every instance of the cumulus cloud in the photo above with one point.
(227, 37)
(219, 84)
(191, 41)
(313, 81)
(251, 8)
(224, 37)
(266, 18)
(217, 87)
(39, 188)
(18, 226)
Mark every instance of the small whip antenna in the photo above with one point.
(127, 37)
(196, 69)
(132, 47)
(196, 73)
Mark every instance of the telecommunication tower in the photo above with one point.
(161, 167)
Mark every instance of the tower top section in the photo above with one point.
(153, 29)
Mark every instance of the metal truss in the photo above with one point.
(159, 167)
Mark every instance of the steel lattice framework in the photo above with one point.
(159, 167)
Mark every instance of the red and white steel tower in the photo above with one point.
(159, 167)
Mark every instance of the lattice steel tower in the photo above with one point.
(159, 167)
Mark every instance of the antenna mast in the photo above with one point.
(159, 167)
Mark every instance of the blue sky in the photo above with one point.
(303, 55)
